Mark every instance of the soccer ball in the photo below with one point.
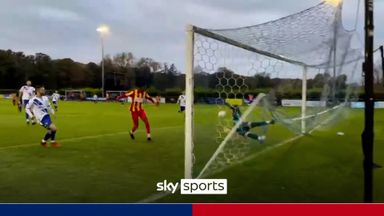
(221, 114)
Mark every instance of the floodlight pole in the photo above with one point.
(102, 65)
(189, 85)
(368, 134)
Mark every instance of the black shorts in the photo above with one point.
(243, 128)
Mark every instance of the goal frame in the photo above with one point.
(72, 90)
(189, 87)
(121, 92)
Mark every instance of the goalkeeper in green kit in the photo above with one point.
(245, 127)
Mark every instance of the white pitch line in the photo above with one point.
(82, 138)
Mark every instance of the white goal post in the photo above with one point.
(189, 86)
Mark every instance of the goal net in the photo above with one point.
(298, 71)
(74, 95)
(113, 94)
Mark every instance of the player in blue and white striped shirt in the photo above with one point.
(39, 108)
(26, 92)
(55, 100)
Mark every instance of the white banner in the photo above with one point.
(297, 103)
(162, 100)
(379, 105)
(361, 105)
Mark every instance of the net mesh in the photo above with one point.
(307, 37)
(233, 66)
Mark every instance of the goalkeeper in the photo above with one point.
(245, 127)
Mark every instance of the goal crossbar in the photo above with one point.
(227, 40)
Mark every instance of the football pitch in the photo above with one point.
(98, 162)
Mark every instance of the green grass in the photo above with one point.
(99, 163)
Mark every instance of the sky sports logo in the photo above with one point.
(194, 186)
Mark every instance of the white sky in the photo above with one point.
(149, 28)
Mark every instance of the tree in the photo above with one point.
(341, 81)
(173, 70)
(121, 71)
(263, 80)
(94, 71)
(123, 60)
(44, 73)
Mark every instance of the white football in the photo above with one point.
(221, 113)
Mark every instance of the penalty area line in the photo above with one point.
(83, 138)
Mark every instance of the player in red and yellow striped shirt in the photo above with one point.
(137, 111)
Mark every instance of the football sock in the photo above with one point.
(53, 135)
(47, 136)
(147, 126)
(252, 136)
